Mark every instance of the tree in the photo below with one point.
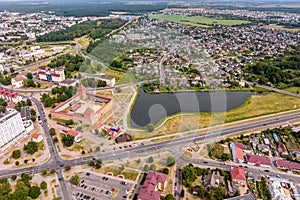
(226, 156)
(97, 149)
(32, 112)
(34, 192)
(13, 177)
(67, 140)
(138, 160)
(150, 127)
(92, 163)
(52, 131)
(16, 154)
(17, 163)
(98, 165)
(28, 102)
(146, 168)
(43, 185)
(31, 147)
(171, 161)
(152, 167)
(165, 170)
(55, 139)
(182, 193)
(29, 75)
(122, 167)
(68, 168)
(75, 180)
(150, 159)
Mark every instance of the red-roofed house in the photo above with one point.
(77, 136)
(36, 137)
(18, 81)
(288, 165)
(237, 152)
(282, 149)
(154, 181)
(258, 160)
(10, 96)
(238, 176)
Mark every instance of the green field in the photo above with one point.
(294, 89)
(197, 20)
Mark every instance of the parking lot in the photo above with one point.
(101, 187)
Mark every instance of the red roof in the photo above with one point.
(288, 165)
(73, 133)
(147, 192)
(238, 173)
(35, 135)
(41, 72)
(19, 78)
(56, 75)
(260, 160)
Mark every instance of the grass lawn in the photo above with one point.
(123, 80)
(197, 20)
(256, 105)
(293, 89)
(128, 174)
(278, 27)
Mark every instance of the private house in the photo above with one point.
(77, 136)
(238, 176)
(154, 183)
(295, 152)
(18, 81)
(36, 137)
(277, 191)
(237, 152)
(258, 160)
(212, 180)
(283, 164)
(282, 149)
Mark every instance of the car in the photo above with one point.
(266, 170)
(240, 165)
(103, 178)
(62, 165)
(88, 174)
(245, 166)
(81, 195)
(106, 192)
(127, 191)
(124, 196)
(82, 181)
(113, 189)
(278, 176)
(123, 183)
(205, 162)
(106, 179)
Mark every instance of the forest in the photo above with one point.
(94, 29)
(282, 72)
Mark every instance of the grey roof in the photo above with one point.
(245, 197)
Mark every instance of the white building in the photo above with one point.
(36, 137)
(277, 192)
(110, 81)
(11, 126)
(10, 96)
(18, 81)
(55, 75)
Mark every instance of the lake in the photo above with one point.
(151, 108)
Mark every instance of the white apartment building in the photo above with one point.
(55, 75)
(11, 126)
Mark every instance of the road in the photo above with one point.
(273, 89)
(92, 59)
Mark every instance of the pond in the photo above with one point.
(151, 108)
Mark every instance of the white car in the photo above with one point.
(127, 191)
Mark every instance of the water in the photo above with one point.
(151, 108)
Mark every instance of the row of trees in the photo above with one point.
(90, 82)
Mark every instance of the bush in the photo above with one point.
(52, 131)
(31, 147)
(75, 180)
(34, 192)
(17, 163)
(43, 185)
(68, 168)
(150, 127)
(67, 140)
(150, 159)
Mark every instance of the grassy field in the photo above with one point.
(197, 20)
(293, 89)
(256, 105)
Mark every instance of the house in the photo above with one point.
(237, 152)
(238, 176)
(212, 180)
(195, 190)
(68, 82)
(154, 182)
(266, 141)
(295, 152)
(77, 136)
(263, 147)
(111, 132)
(10, 96)
(258, 160)
(283, 164)
(275, 136)
(36, 137)
(282, 149)
(123, 138)
(18, 81)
